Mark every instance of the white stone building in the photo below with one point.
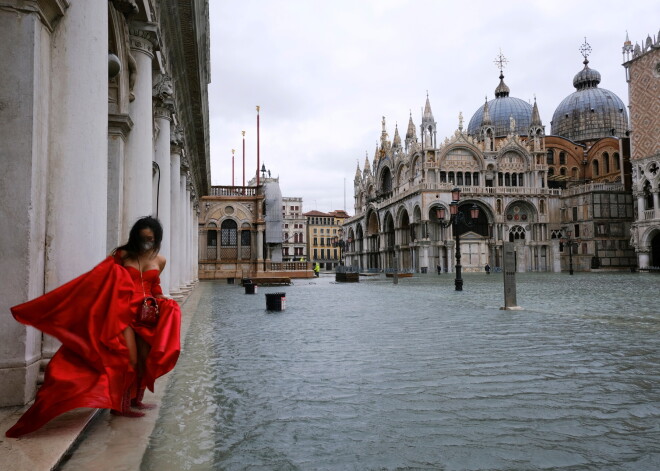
(294, 228)
(103, 119)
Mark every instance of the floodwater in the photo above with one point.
(377, 376)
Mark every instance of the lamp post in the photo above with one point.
(566, 240)
(456, 218)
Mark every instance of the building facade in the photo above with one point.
(240, 234)
(294, 228)
(325, 237)
(642, 64)
(104, 119)
(531, 188)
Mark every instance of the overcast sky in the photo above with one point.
(325, 73)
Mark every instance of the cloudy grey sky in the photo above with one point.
(325, 72)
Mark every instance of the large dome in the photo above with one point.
(590, 112)
(500, 111)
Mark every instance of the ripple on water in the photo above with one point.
(417, 376)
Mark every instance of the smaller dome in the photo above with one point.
(586, 78)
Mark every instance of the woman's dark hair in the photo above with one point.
(133, 247)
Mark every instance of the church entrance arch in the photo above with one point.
(373, 241)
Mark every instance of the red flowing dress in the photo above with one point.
(88, 315)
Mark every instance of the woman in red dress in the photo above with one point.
(107, 358)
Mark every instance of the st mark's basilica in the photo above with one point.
(546, 192)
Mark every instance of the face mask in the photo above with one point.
(147, 245)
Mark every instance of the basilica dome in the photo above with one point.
(590, 112)
(500, 111)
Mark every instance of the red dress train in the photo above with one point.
(88, 315)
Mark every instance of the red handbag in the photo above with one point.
(147, 314)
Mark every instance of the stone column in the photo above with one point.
(24, 114)
(641, 205)
(181, 230)
(188, 236)
(175, 201)
(139, 147)
(76, 221)
(656, 204)
(119, 126)
(163, 118)
(643, 257)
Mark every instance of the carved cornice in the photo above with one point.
(119, 124)
(49, 11)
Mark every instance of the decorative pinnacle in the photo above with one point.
(257, 108)
(585, 50)
(243, 132)
(501, 62)
(232, 152)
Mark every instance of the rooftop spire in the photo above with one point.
(411, 133)
(486, 118)
(536, 117)
(502, 90)
(397, 139)
(428, 114)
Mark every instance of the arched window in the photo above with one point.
(450, 177)
(575, 173)
(550, 159)
(595, 167)
(468, 178)
(516, 233)
(507, 179)
(212, 241)
(514, 179)
(562, 158)
(521, 181)
(475, 178)
(562, 171)
(459, 178)
(617, 163)
(228, 237)
(386, 181)
(551, 172)
(606, 163)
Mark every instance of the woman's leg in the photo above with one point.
(129, 337)
(143, 349)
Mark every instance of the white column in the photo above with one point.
(181, 231)
(641, 206)
(163, 118)
(24, 80)
(175, 220)
(188, 236)
(78, 147)
(656, 204)
(139, 147)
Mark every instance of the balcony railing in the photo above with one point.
(649, 214)
(234, 191)
(589, 187)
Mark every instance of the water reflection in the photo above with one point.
(418, 376)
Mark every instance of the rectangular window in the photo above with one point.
(322, 254)
(245, 238)
(315, 230)
(315, 255)
(316, 241)
(576, 234)
(335, 254)
(575, 214)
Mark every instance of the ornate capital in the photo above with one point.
(163, 112)
(176, 137)
(144, 37)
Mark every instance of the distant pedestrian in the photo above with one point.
(439, 270)
(487, 268)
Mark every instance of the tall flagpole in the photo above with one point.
(243, 132)
(232, 167)
(258, 145)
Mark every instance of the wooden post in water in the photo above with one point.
(510, 303)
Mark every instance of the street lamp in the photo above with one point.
(456, 217)
(566, 240)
